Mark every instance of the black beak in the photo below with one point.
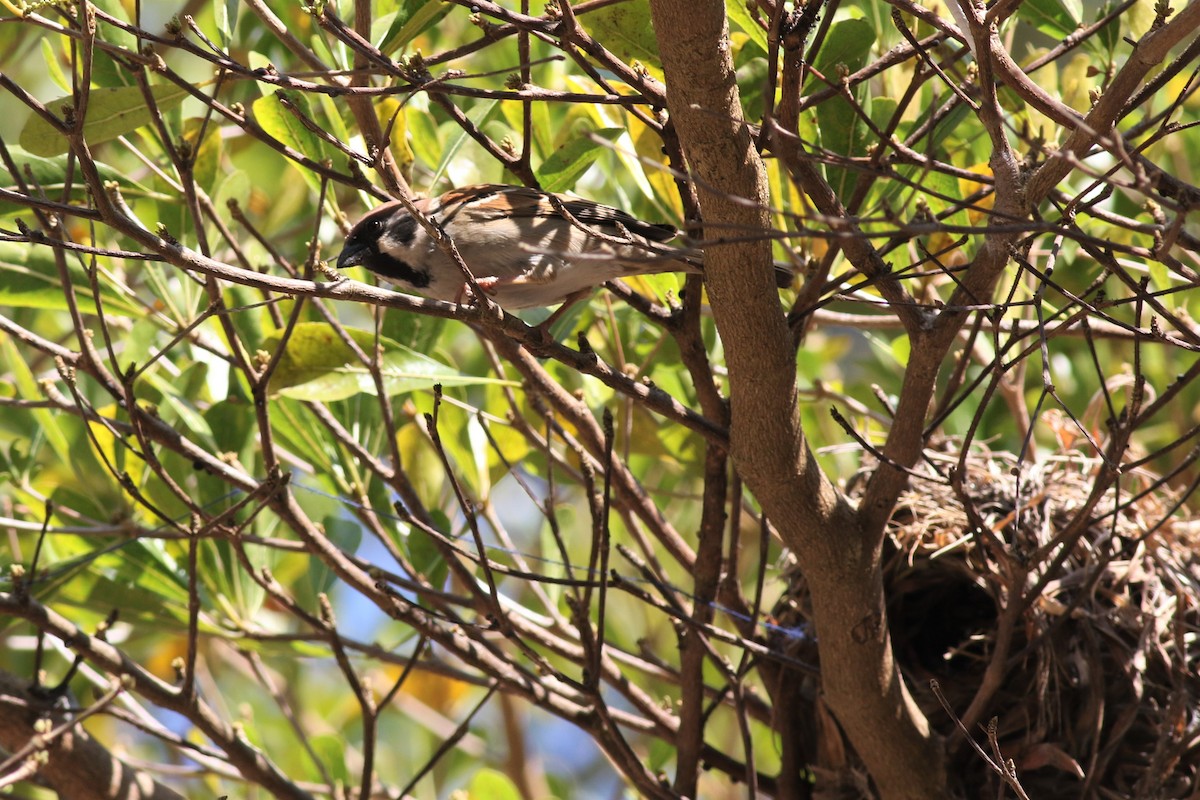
(353, 255)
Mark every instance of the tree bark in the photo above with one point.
(841, 562)
(77, 767)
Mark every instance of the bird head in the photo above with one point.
(383, 241)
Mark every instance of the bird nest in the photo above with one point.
(1053, 623)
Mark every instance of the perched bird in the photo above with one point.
(521, 250)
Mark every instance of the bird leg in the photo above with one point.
(541, 272)
(557, 313)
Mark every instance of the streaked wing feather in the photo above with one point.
(596, 214)
(486, 202)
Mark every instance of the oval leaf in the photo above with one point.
(567, 164)
(275, 119)
(739, 13)
(318, 365)
(843, 131)
(110, 113)
(50, 174)
(626, 30)
(411, 19)
(279, 121)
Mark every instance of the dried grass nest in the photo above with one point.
(1078, 609)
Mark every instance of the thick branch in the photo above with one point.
(768, 444)
(76, 766)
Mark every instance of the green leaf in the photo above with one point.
(47, 426)
(1161, 276)
(882, 111)
(423, 137)
(114, 33)
(412, 18)
(280, 122)
(331, 749)
(849, 42)
(844, 133)
(420, 332)
(318, 365)
(347, 536)
(1108, 37)
(626, 30)
(494, 785)
(137, 576)
(902, 191)
(235, 185)
(53, 69)
(425, 554)
(739, 13)
(226, 14)
(231, 421)
(244, 594)
(50, 175)
(207, 153)
(941, 192)
(24, 286)
(333, 119)
(567, 164)
(843, 130)
(110, 113)
(1056, 18)
(752, 78)
(542, 131)
(175, 405)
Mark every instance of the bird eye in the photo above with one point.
(375, 226)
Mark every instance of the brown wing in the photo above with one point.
(493, 201)
(591, 213)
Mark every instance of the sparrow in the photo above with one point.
(521, 250)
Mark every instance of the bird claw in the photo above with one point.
(467, 297)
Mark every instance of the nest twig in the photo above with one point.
(1076, 654)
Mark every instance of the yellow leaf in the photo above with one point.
(390, 112)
